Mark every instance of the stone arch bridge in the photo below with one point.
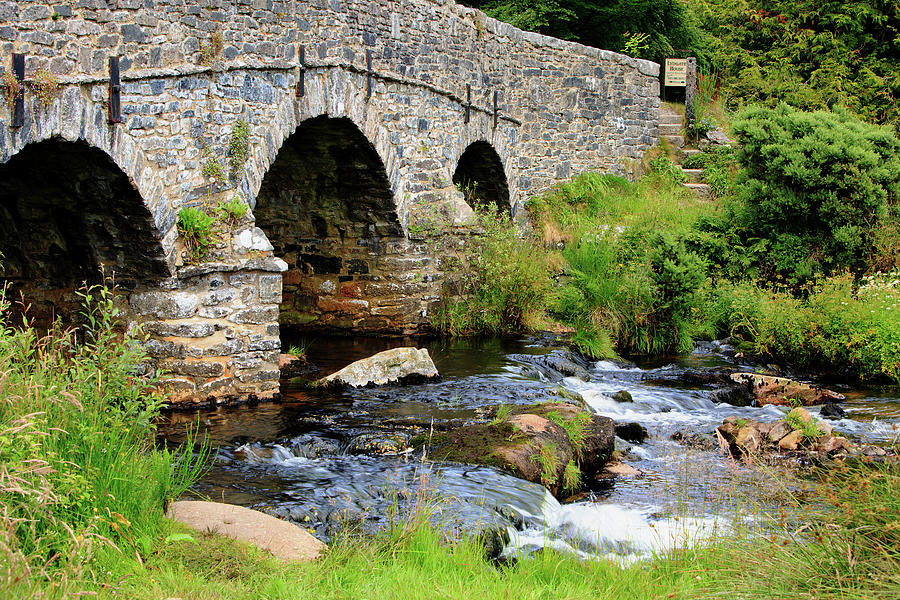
(350, 128)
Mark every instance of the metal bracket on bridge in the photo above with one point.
(468, 102)
(369, 82)
(301, 76)
(115, 91)
(496, 110)
(18, 107)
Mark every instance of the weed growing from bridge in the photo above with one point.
(195, 227)
(239, 147)
(211, 50)
(11, 87)
(212, 168)
(44, 85)
(232, 212)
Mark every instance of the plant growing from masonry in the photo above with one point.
(11, 87)
(211, 50)
(233, 211)
(239, 147)
(211, 167)
(44, 85)
(195, 227)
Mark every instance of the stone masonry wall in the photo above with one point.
(562, 109)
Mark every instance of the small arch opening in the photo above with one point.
(480, 177)
(69, 216)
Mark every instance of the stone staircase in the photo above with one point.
(671, 126)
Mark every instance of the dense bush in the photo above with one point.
(813, 192)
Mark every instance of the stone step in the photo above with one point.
(670, 119)
(692, 175)
(700, 189)
(675, 140)
(685, 152)
(670, 129)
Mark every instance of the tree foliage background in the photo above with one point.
(811, 54)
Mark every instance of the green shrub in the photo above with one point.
(813, 189)
(195, 227)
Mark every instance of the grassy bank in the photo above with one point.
(79, 473)
(849, 549)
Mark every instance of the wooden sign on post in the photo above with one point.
(676, 72)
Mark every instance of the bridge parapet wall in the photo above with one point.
(573, 108)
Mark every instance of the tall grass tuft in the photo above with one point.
(76, 448)
(501, 283)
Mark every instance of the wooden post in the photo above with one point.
(690, 91)
(18, 107)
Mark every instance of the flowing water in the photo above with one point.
(306, 459)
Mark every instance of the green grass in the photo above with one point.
(851, 550)
(79, 469)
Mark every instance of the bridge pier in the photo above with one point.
(214, 330)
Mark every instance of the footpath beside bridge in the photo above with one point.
(366, 119)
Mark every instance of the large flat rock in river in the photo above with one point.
(399, 365)
(284, 540)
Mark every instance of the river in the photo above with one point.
(296, 459)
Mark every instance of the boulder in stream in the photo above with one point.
(537, 443)
(398, 365)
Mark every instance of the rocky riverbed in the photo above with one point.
(355, 459)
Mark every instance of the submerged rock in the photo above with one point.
(622, 396)
(553, 366)
(831, 410)
(295, 366)
(632, 432)
(399, 365)
(701, 441)
(378, 444)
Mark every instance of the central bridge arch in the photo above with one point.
(327, 207)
